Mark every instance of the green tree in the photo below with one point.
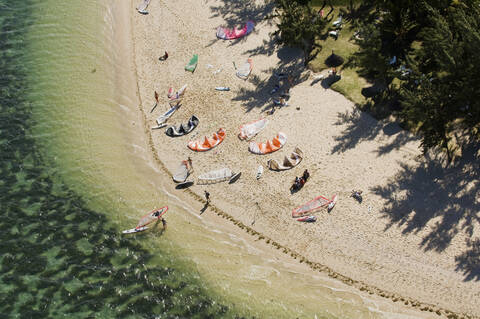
(441, 98)
(298, 25)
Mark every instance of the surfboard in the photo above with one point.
(259, 171)
(234, 178)
(308, 219)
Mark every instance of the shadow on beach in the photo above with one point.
(431, 191)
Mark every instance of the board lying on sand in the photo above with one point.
(149, 218)
(311, 206)
(182, 172)
(308, 219)
(332, 203)
(270, 146)
(192, 64)
(208, 143)
(183, 129)
(142, 7)
(163, 118)
(259, 171)
(249, 130)
(230, 34)
(215, 176)
(244, 70)
(288, 163)
(234, 177)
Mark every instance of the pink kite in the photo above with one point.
(229, 34)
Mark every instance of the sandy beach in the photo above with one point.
(411, 238)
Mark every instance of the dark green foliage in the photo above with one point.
(439, 42)
(298, 25)
(445, 101)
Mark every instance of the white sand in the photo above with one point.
(371, 245)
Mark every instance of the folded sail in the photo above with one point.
(244, 70)
(192, 65)
(230, 34)
(215, 176)
(311, 206)
(247, 131)
(288, 162)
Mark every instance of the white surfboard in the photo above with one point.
(259, 171)
(134, 230)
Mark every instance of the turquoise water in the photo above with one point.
(58, 257)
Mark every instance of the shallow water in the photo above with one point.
(76, 170)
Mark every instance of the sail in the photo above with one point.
(192, 65)
(182, 172)
(230, 34)
(166, 115)
(244, 70)
(142, 7)
(152, 216)
(247, 131)
(215, 176)
(310, 206)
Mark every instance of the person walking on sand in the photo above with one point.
(207, 197)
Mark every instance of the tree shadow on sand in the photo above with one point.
(360, 126)
(291, 63)
(432, 194)
(448, 197)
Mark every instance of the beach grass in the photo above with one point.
(351, 83)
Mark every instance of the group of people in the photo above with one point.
(300, 181)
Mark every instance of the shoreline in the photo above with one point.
(220, 203)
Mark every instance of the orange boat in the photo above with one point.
(208, 143)
(270, 146)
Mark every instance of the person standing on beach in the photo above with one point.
(189, 160)
(164, 222)
(207, 197)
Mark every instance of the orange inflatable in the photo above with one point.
(270, 146)
(208, 143)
